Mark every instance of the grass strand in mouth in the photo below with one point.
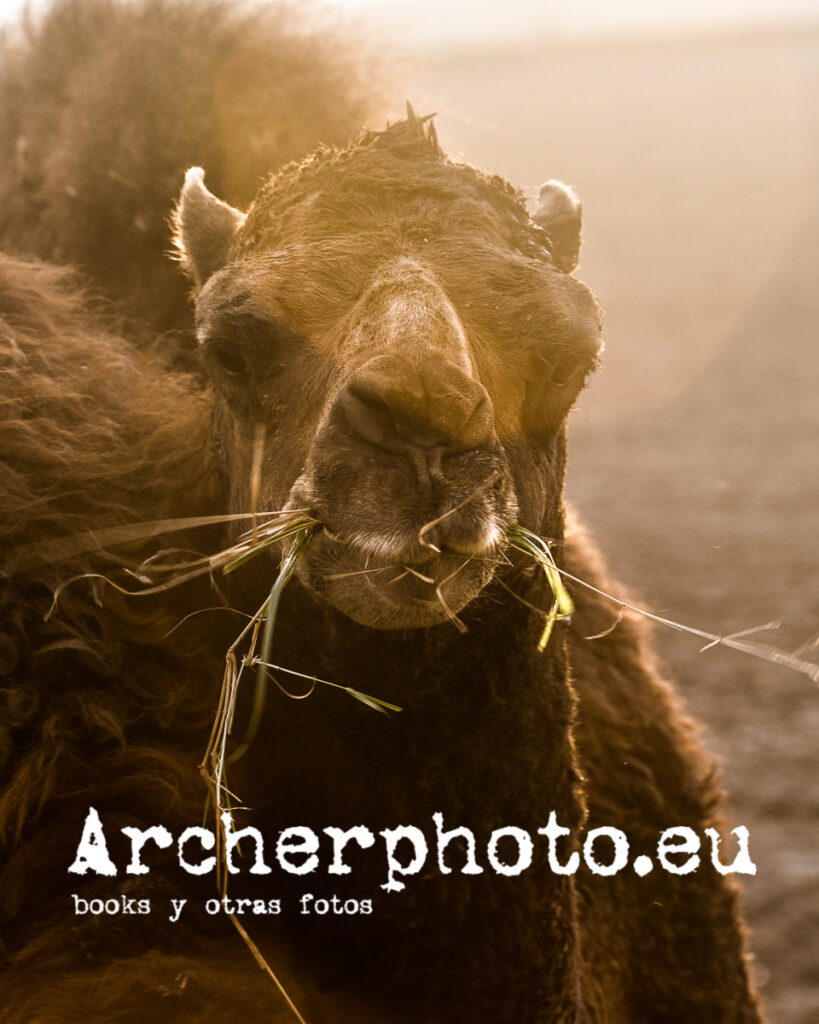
(530, 543)
(562, 607)
(260, 627)
(282, 526)
(269, 610)
(61, 548)
(263, 664)
(263, 621)
(304, 528)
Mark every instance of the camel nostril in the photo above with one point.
(366, 416)
(478, 430)
(398, 406)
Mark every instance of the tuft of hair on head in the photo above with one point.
(423, 129)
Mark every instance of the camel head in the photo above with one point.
(404, 342)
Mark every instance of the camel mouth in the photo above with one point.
(392, 583)
(391, 555)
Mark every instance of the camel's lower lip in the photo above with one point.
(397, 588)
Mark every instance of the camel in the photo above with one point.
(388, 342)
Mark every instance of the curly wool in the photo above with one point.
(94, 434)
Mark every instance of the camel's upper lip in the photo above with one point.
(423, 547)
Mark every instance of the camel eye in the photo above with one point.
(560, 370)
(245, 353)
(230, 362)
(564, 371)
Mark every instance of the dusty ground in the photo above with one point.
(695, 453)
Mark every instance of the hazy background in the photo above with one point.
(690, 130)
(444, 21)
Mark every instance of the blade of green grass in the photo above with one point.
(272, 605)
(374, 702)
(530, 543)
(301, 525)
(562, 608)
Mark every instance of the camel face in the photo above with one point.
(391, 336)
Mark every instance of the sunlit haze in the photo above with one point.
(444, 22)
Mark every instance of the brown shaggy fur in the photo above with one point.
(89, 437)
(105, 702)
(104, 105)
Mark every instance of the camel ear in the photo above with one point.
(204, 228)
(558, 211)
